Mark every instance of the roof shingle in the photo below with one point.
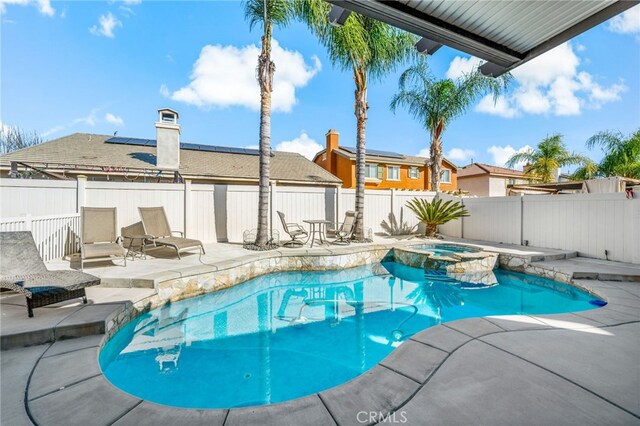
(83, 149)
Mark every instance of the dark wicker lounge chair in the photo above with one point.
(24, 271)
(156, 227)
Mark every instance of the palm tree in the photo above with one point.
(368, 48)
(545, 160)
(437, 212)
(621, 156)
(436, 103)
(267, 12)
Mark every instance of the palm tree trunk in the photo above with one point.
(361, 107)
(435, 155)
(266, 68)
(430, 229)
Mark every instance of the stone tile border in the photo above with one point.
(458, 263)
(172, 286)
(66, 386)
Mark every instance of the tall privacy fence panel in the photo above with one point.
(55, 235)
(603, 226)
(586, 223)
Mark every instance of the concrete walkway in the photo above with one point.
(578, 368)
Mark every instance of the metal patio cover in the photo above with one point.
(505, 33)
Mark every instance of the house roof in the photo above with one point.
(82, 151)
(481, 168)
(379, 157)
(504, 33)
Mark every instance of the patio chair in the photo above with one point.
(344, 232)
(156, 227)
(24, 272)
(99, 237)
(294, 230)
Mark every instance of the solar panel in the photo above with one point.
(117, 140)
(188, 146)
(132, 141)
(191, 146)
(374, 152)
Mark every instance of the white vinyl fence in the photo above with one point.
(207, 212)
(55, 235)
(587, 223)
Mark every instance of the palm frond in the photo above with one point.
(436, 212)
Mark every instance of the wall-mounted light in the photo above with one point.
(492, 70)
(338, 16)
(427, 47)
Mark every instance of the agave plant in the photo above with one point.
(436, 212)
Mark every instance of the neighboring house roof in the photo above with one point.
(88, 151)
(386, 157)
(507, 34)
(475, 169)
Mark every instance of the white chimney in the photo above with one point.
(167, 140)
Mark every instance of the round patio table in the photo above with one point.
(317, 227)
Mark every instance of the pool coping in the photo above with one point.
(385, 389)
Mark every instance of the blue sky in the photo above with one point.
(102, 67)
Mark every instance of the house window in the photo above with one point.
(372, 171)
(511, 182)
(414, 173)
(445, 176)
(393, 173)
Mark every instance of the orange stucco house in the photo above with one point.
(383, 169)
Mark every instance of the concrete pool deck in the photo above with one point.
(578, 368)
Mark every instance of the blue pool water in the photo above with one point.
(444, 249)
(287, 335)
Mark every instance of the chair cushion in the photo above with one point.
(297, 232)
(67, 280)
(92, 251)
(179, 243)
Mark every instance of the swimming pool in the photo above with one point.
(287, 335)
(445, 249)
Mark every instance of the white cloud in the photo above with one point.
(44, 6)
(164, 91)
(501, 154)
(114, 119)
(303, 145)
(107, 23)
(460, 154)
(532, 100)
(461, 66)
(552, 83)
(454, 154)
(627, 22)
(90, 120)
(500, 107)
(226, 76)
